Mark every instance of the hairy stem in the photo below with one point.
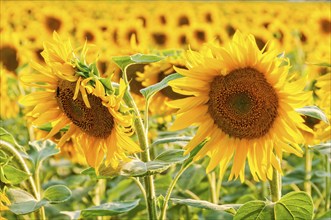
(145, 155)
(169, 191)
(275, 186)
(212, 182)
(308, 166)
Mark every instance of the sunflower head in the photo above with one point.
(240, 99)
(72, 94)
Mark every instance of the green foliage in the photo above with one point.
(23, 202)
(57, 193)
(294, 205)
(150, 91)
(138, 168)
(41, 150)
(6, 136)
(109, 209)
(230, 208)
(124, 61)
(314, 112)
(323, 148)
(12, 175)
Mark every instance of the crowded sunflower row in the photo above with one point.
(242, 85)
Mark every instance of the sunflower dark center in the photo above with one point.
(8, 57)
(326, 26)
(95, 121)
(159, 38)
(310, 121)
(168, 92)
(243, 104)
(131, 72)
(89, 36)
(53, 23)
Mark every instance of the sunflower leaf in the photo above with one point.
(109, 209)
(323, 148)
(149, 91)
(294, 205)
(8, 137)
(12, 175)
(314, 112)
(23, 202)
(41, 150)
(170, 140)
(230, 208)
(123, 61)
(57, 193)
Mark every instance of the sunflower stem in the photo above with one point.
(213, 191)
(219, 186)
(308, 166)
(170, 189)
(275, 186)
(145, 155)
(38, 187)
(19, 161)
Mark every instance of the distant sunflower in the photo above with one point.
(321, 130)
(74, 97)
(242, 103)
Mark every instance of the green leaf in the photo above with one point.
(255, 210)
(22, 202)
(145, 58)
(12, 175)
(124, 61)
(323, 148)
(172, 156)
(149, 91)
(57, 193)
(230, 208)
(314, 112)
(170, 140)
(8, 137)
(41, 150)
(109, 209)
(294, 205)
(134, 168)
(194, 152)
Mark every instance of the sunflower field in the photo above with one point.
(165, 110)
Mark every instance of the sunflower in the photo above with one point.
(73, 97)
(242, 103)
(9, 93)
(10, 51)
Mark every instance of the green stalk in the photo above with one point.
(38, 187)
(275, 186)
(327, 183)
(219, 186)
(308, 166)
(145, 155)
(170, 189)
(31, 186)
(212, 182)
